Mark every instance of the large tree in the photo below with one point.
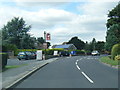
(113, 28)
(14, 30)
(77, 42)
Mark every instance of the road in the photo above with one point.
(73, 72)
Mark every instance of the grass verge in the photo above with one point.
(13, 66)
(109, 61)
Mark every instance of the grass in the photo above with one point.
(13, 66)
(109, 61)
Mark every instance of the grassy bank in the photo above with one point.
(109, 61)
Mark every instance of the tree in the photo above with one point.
(112, 37)
(40, 40)
(100, 46)
(93, 44)
(27, 42)
(14, 30)
(77, 42)
(114, 16)
(113, 28)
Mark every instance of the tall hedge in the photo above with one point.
(115, 50)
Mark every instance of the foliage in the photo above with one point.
(117, 57)
(115, 50)
(80, 52)
(109, 61)
(100, 46)
(40, 40)
(113, 26)
(16, 32)
(22, 50)
(113, 36)
(114, 16)
(9, 47)
(51, 51)
(94, 45)
(77, 42)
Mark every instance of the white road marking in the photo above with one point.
(87, 77)
(78, 67)
(91, 81)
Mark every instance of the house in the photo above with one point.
(66, 47)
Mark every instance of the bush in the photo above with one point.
(3, 60)
(22, 50)
(8, 47)
(117, 57)
(115, 51)
(80, 52)
(51, 51)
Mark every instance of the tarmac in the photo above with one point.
(13, 76)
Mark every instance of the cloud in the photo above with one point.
(60, 23)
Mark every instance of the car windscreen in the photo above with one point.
(21, 53)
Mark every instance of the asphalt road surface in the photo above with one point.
(73, 72)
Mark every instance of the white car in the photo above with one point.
(95, 53)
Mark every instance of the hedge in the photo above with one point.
(50, 51)
(3, 60)
(115, 51)
(22, 50)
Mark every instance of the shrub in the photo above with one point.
(3, 60)
(80, 52)
(51, 51)
(115, 50)
(9, 47)
(117, 57)
(22, 50)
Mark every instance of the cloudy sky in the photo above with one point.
(63, 19)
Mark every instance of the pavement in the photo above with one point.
(12, 76)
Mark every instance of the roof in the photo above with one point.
(63, 46)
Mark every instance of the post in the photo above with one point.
(44, 56)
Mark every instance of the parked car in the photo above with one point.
(64, 53)
(34, 55)
(95, 53)
(26, 55)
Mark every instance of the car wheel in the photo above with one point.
(19, 58)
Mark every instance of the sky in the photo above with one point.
(63, 19)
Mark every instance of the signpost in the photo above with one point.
(46, 37)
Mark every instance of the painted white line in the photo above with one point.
(87, 77)
(76, 63)
(78, 67)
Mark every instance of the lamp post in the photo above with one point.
(44, 45)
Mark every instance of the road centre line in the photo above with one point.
(87, 77)
(78, 67)
(91, 81)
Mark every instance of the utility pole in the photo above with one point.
(44, 45)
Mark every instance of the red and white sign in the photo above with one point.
(48, 36)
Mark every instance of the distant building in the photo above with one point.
(66, 47)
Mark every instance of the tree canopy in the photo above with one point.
(113, 26)
(15, 32)
(77, 42)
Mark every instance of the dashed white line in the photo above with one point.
(78, 67)
(87, 77)
(90, 80)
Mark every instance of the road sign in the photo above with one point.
(48, 36)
